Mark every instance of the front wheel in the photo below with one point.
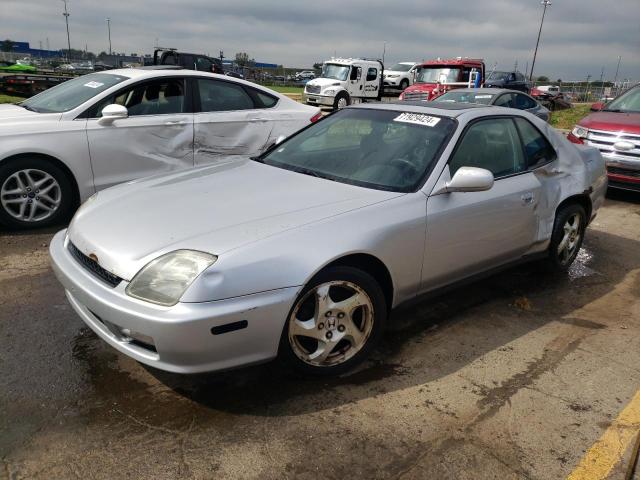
(567, 237)
(34, 193)
(342, 100)
(334, 323)
(404, 84)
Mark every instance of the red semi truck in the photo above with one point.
(435, 77)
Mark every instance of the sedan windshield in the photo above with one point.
(627, 102)
(381, 149)
(466, 97)
(498, 76)
(437, 74)
(72, 93)
(401, 67)
(337, 72)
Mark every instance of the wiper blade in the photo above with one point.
(615, 110)
(257, 159)
(26, 107)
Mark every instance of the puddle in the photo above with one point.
(580, 268)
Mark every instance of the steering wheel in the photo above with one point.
(407, 167)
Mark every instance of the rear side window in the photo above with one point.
(372, 74)
(505, 100)
(217, 96)
(537, 148)
(264, 100)
(523, 102)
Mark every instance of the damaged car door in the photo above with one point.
(154, 134)
(230, 119)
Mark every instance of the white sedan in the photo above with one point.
(98, 130)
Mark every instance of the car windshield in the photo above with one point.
(466, 97)
(380, 149)
(437, 74)
(72, 93)
(401, 67)
(627, 102)
(498, 76)
(337, 72)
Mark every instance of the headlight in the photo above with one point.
(165, 279)
(580, 132)
(393, 76)
(329, 91)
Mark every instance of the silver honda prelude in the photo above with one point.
(303, 251)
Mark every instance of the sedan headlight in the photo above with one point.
(164, 280)
(580, 132)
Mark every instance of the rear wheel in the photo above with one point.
(34, 193)
(334, 323)
(342, 100)
(567, 237)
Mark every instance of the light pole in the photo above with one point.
(109, 30)
(66, 18)
(546, 4)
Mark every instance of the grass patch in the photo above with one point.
(10, 99)
(567, 119)
(286, 89)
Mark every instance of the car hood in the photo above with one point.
(10, 114)
(613, 121)
(395, 72)
(213, 209)
(324, 82)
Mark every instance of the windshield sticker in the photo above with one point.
(418, 119)
(93, 84)
(483, 96)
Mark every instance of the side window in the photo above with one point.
(218, 96)
(264, 100)
(356, 73)
(203, 64)
(466, 73)
(372, 74)
(524, 102)
(505, 100)
(538, 149)
(493, 144)
(160, 97)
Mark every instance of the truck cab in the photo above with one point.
(435, 77)
(343, 80)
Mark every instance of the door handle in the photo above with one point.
(527, 198)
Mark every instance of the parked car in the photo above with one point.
(304, 250)
(305, 75)
(509, 80)
(435, 77)
(190, 61)
(92, 132)
(498, 97)
(400, 75)
(345, 79)
(614, 129)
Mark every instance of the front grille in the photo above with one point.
(313, 88)
(93, 266)
(605, 141)
(416, 96)
(624, 171)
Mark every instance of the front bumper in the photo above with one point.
(180, 338)
(624, 174)
(317, 99)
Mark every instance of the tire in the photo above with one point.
(38, 188)
(568, 234)
(404, 84)
(342, 100)
(334, 323)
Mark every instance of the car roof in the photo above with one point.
(451, 110)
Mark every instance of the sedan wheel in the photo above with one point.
(335, 321)
(567, 248)
(30, 195)
(568, 233)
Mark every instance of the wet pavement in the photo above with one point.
(516, 376)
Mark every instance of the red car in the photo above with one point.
(614, 129)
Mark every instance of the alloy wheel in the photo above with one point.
(331, 323)
(571, 238)
(30, 195)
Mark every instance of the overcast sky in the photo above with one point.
(579, 36)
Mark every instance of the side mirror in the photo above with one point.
(280, 139)
(468, 179)
(112, 112)
(596, 107)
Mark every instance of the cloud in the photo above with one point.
(578, 38)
